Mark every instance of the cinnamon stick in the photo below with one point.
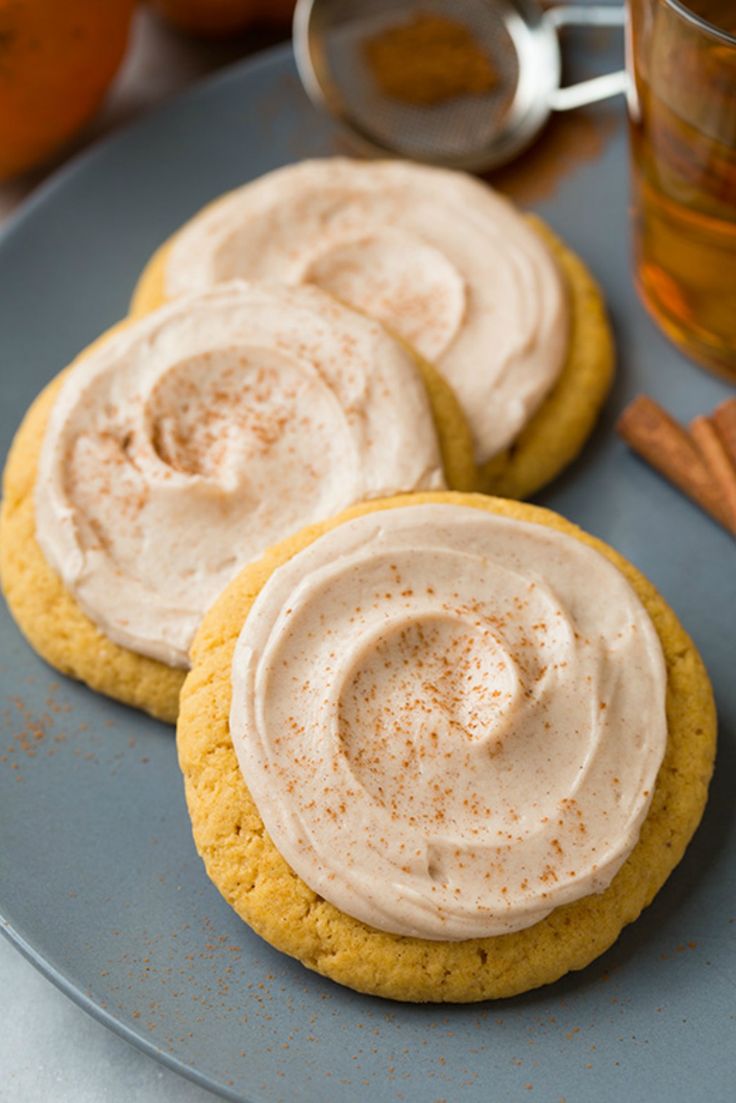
(668, 448)
(719, 463)
(724, 419)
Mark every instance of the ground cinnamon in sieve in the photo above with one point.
(428, 60)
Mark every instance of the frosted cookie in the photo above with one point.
(443, 747)
(509, 315)
(180, 446)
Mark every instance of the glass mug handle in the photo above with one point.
(597, 88)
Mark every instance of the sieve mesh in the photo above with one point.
(458, 127)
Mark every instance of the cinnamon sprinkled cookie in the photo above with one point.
(181, 445)
(443, 747)
(506, 312)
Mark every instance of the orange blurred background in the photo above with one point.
(72, 71)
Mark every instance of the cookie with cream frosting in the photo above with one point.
(427, 760)
(181, 445)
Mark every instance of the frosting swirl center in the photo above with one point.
(420, 696)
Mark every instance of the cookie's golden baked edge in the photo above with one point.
(43, 608)
(150, 289)
(252, 876)
(149, 292)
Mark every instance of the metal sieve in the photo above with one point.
(475, 132)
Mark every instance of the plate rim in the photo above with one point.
(107, 1019)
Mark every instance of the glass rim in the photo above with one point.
(698, 21)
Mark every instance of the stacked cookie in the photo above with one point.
(459, 719)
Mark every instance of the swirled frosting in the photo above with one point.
(451, 722)
(187, 442)
(438, 257)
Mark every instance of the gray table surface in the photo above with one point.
(49, 1048)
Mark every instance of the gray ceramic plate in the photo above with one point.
(99, 882)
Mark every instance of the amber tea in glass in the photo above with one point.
(682, 59)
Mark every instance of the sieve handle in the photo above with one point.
(597, 88)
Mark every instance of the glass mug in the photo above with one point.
(682, 111)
